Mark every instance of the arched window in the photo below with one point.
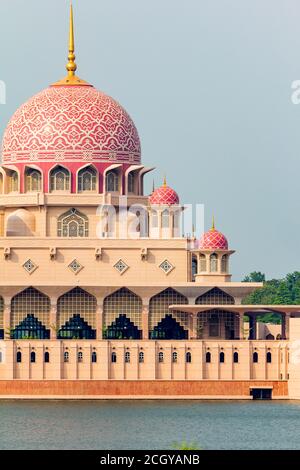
(236, 357)
(224, 264)
(188, 357)
(112, 181)
(66, 356)
(165, 219)
(19, 356)
(154, 219)
(59, 179)
(269, 357)
(131, 183)
(87, 179)
(33, 180)
(113, 357)
(122, 315)
(215, 296)
(160, 356)
(127, 357)
(73, 224)
(46, 357)
(213, 263)
(222, 357)
(203, 267)
(80, 356)
(76, 315)
(141, 357)
(94, 356)
(13, 182)
(174, 356)
(208, 357)
(32, 356)
(255, 357)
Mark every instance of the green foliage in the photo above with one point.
(186, 446)
(274, 292)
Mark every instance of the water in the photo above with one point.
(149, 424)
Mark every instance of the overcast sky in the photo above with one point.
(208, 84)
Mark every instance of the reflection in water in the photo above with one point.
(149, 424)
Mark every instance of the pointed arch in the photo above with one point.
(59, 179)
(87, 179)
(33, 179)
(30, 315)
(159, 310)
(122, 315)
(216, 323)
(213, 263)
(72, 224)
(215, 296)
(76, 314)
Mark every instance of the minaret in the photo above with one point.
(71, 79)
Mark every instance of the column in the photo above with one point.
(194, 332)
(283, 326)
(145, 321)
(287, 325)
(252, 326)
(6, 318)
(99, 319)
(242, 331)
(53, 319)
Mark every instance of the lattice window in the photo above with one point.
(215, 297)
(87, 179)
(77, 302)
(131, 183)
(224, 264)
(30, 302)
(216, 323)
(121, 266)
(159, 308)
(13, 182)
(213, 263)
(75, 266)
(203, 266)
(112, 181)
(29, 266)
(73, 224)
(59, 179)
(33, 180)
(123, 302)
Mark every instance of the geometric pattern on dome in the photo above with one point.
(164, 196)
(71, 123)
(213, 240)
(166, 266)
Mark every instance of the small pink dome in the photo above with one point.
(164, 196)
(213, 240)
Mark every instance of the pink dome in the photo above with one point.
(213, 240)
(71, 123)
(164, 196)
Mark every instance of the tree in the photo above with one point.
(255, 276)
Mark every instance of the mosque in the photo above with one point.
(101, 296)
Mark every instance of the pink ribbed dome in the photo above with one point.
(71, 123)
(164, 196)
(213, 240)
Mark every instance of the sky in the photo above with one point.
(208, 85)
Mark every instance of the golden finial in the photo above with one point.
(71, 78)
(71, 65)
(213, 224)
(153, 187)
(165, 182)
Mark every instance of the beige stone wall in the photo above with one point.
(151, 368)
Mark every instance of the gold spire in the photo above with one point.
(213, 224)
(153, 187)
(71, 79)
(165, 182)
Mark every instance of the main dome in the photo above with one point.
(71, 123)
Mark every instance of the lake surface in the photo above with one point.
(149, 425)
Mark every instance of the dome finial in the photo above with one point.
(213, 224)
(71, 78)
(165, 182)
(153, 186)
(71, 65)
